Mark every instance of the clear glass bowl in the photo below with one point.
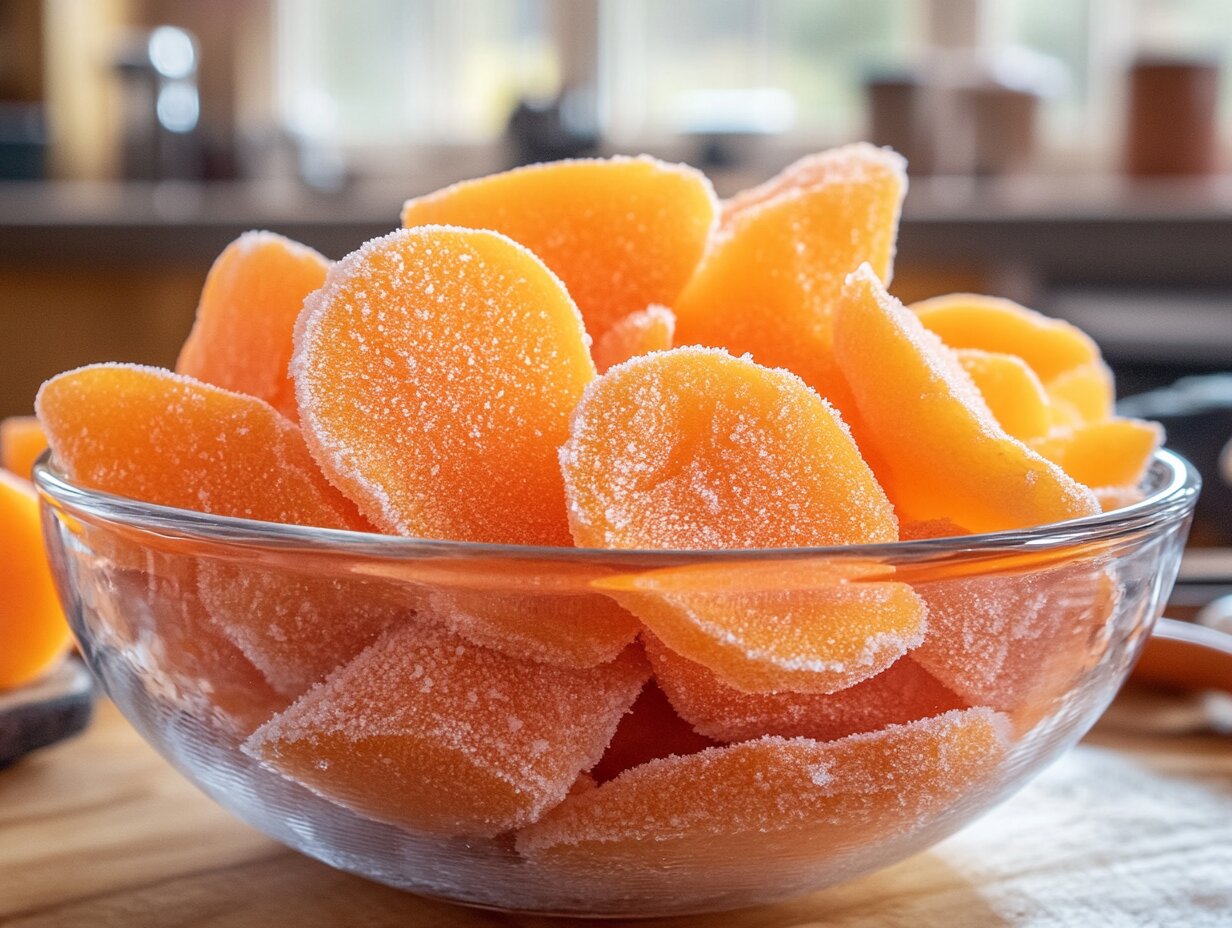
(408, 766)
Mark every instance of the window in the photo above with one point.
(390, 73)
(783, 65)
(387, 72)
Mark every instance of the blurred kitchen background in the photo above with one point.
(1075, 155)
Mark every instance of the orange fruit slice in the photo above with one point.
(1108, 453)
(535, 609)
(903, 693)
(430, 732)
(33, 631)
(639, 333)
(771, 627)
(1013, 392)
(1087, 389)
(1050, 347)
(241, 340)
(21, 442)
(1016, 636)
(692, 448)
(1065, 359)
(944, 453)
(164, 438)
(183, 654)
(436, 371)
(772, 276)
(771, 798)
(621, 233)
(293, 626)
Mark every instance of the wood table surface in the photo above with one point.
(1132, 828)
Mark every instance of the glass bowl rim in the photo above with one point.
(1177, 488)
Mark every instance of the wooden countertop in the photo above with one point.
(1127, 830)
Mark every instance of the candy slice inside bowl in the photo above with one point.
(443, 717)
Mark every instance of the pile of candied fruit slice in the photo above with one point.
(599, 353)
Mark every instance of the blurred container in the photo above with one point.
(1005, 121)
(898, 117)
(1171, 127)
(23, 141)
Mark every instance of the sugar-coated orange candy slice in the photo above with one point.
(692, 448)
(1050, 347)
(621, 233)
(1014, 636)
(164, 438)
(241, 340)
(293, 626)
(428, 731)
(537, 609)
(1013, 392)
(184, 654)
(33, 632)
(651, 729)
(531, 609)
(903, 693)
(773, 796)
(1015, 641)
(21, 442)
(436, 371)
(1066, 360)
(1087, 389)
(770, 627)
(641, 332)
(1108, 453)
(769, 282)
(946, 456)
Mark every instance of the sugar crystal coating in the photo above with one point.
(253, 294)
(1018, 634)
(621, 232)
(770, 627)
(903, 693)
(773, 796)
(944, 453)
(435, 372)
(692, 448)
(639, 333)
(536, 609)
(428, 731)
(165, 438)
(1111, 498)
(774, 270)
(293, 626)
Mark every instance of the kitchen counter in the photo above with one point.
(1092, 229)
(1129, 830)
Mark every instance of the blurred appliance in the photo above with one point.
(161, 105)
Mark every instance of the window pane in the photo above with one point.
(669, 64)
(372, 72)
